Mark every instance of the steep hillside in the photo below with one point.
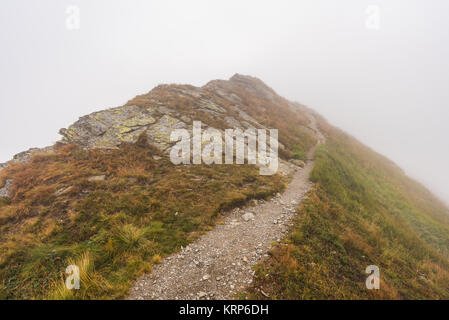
(362, 211)
(107, 197)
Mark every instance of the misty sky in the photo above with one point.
(382, 77)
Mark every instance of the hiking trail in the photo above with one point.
(219, 263)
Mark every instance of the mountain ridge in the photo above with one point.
(106, 197)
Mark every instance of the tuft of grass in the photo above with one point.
(90, 281)
(156, 259)
(129, 238)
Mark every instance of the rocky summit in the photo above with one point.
(242, 102)
(219, 103)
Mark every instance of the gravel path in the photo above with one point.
(219, 264)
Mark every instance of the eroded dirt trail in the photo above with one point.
(219, 264)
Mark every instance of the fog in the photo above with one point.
(377, 69)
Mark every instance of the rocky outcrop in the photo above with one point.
(21, 157)
(297, 162)
(159, 133)
(219, 104)
(25, 156)
(252, 85)
(109, 128)
(4, 191)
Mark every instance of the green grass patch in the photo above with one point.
(362, 211)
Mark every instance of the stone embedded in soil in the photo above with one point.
(97, 178)
(248, 216)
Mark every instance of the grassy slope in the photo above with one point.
(362, 211)
(113, 229)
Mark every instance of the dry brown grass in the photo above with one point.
(126, 222)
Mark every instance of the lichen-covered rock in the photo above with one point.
(298, 162)
(159, 133)
(210, 105)
(4, 191)
(109, 128)
(26, 155)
